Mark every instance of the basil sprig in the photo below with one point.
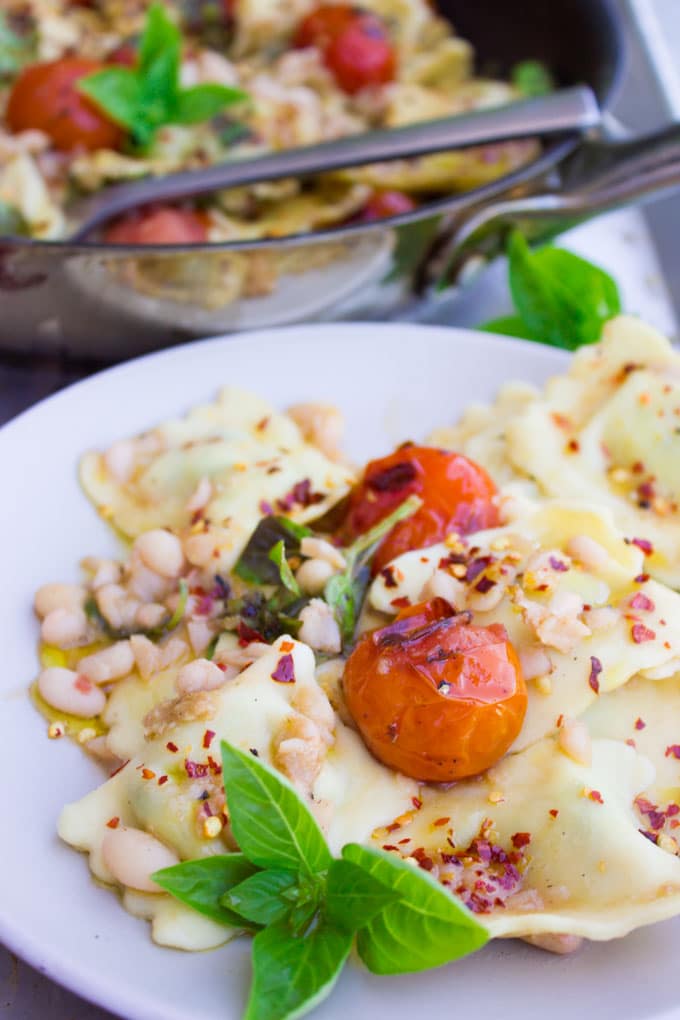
(345, 592)
(144, 98)
(308, 908)
(561, 299)
(532, 78)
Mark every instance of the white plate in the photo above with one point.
(393, 382)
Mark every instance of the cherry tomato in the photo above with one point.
(160, 225)
(355, 45)
(434, 696)
(45, 97)
(386, 203)
(124, 55)
(457, 496)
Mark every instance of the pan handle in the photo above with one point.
(600, 176)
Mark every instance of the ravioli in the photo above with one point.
(251, 460)
(583, 624)
(609, 427)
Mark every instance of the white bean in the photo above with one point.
(444, 585)
(200, 635)
(116, 606)
(106, 572)
(64, 627)
(119, 460)
(199, 549)
(320, 549)
(111, 663)
(132, 856)
(199, 675)
(535, 662)
(58, 596)
(151, 615)
(161, 552)
(144, 583)
(319, 627)
(146, 655)
(70, 692)
(313, 575)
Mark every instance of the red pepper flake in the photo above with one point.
(484, 585)
(403, 602)
(641, 578)
(148, 774)
(560, 720)
(119, 769)
(265, 508)
(285, 670)
(286, 646)
(640, 633)
(390, 846)
(438, 822)
(640, 724)
(558, 564)
(521, 839)
(630, 742)
(113, 823)
(642, 602)
(554, 812)
(423, 859)
(407, 839)
(673, 751)
(644, 544)
(596, 796)
(246, 634)
(213, 766)
(208, 738)
(195, 770)
(417, 803)
(573, 446)
(387, 574)
(595, 670)
(477, 566)
(393, 826)
(162, 780)
(172, 746)
(301, 494)
(262, 423)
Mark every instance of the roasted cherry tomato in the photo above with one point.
(355, 45)
(457, 495)
(434, 696)
(386, 203)
(45, 97)
(162, 225)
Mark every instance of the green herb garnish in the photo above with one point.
(255, 564)
(15, 50)
(145, 98)
(122, 633)
(560, 298)
(309, 908)
(345, 592)
(12, 223)
(532, 78)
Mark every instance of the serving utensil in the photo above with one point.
(559, 113)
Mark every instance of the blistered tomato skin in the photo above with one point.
(355, 45)
(457, 495)
(45, 97)
(386, 203)
(162, 225)
(434, 696)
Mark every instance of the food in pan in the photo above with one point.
(463, 658)
(97, 93)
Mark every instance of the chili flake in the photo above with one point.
(285, 670)
(208, 738)
(113, 823)
(172, 746)
(640, 633)
(438, 822)
(417, 803)
(521, 839)
(195, 770)
(558, 564)
(403, 602)
(148, 774)
(644, 544)
(554, 812)
(640, 724)
(595, 670)
(673, 751)
(641, 578)
(162, 780)
(642, 602)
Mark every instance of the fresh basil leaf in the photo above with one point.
(271, 825)
(293, 975)
(345, 592)
(563, 299)
(202, 102)
(12, 223)
(286, 577)
(116, 91)
(202, 884)
(160, 39)
(508, 325)
(354, 896)
(532, 78)
(15, 50)
(426, 928)
(259, 898)
(255, 564)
